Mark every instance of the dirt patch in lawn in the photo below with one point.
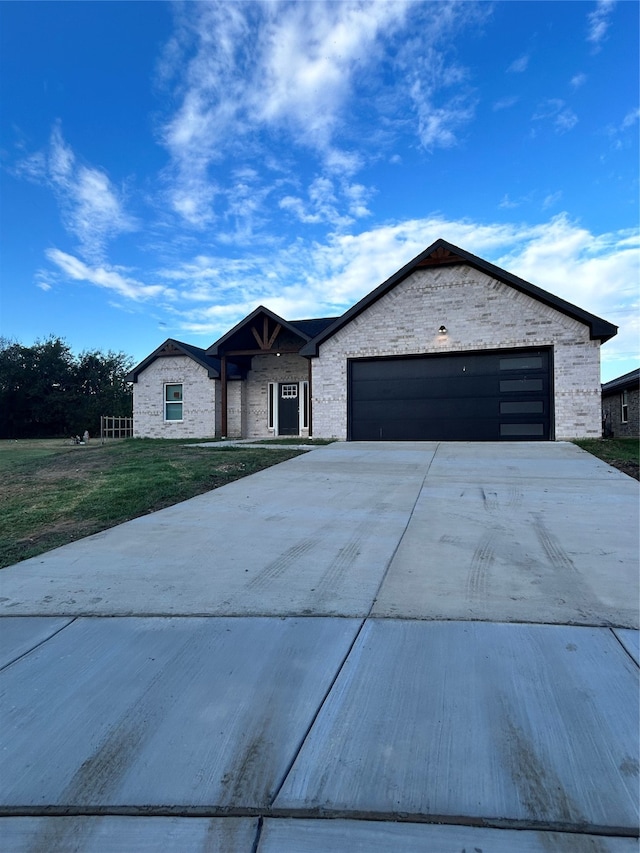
(630, 468)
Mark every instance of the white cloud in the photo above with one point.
(598, 22)
(505, 103)
(578, 80)
(598, 272)
(106, 277)
(311, 53)
(91, 208)
(438, 126)
(324, 200)
(519, 65)
(630, 119)
(555, 111)
(285, 67)
(508, 203)
(619, 134)
(45, 279)
(283, 80)
(551, 200)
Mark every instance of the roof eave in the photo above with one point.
(132, 376)
(214, 349)
(599, 329)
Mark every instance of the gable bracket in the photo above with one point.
(266, 341)
(439, 256)
(275, 334)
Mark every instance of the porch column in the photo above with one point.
(223, 396)
(309, 413)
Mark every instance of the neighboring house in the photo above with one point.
(450, 347)
(620, 405)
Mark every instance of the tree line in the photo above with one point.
(47, 392)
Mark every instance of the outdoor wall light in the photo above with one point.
(442, 330)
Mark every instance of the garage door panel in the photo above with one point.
(453, 408)
(468, 397)
(461, 388)
(430, 429)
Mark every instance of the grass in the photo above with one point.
(54, 492)
(622, 453)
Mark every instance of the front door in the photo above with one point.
(288, 408)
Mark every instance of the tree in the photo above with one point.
(46, 391)
(100, 388)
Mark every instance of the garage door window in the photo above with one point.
(528, 407)
(522, 362)
(522, 430)
(520, 385)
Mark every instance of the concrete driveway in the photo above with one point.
(416, 646)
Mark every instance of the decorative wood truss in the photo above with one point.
(265, 339)
(265, 331)
(441, 255)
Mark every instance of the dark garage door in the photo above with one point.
(487, 396)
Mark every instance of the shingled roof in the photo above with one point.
(442, 253)
(622, 383)
(172, 347)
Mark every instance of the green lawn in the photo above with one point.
(54, 492)
(622, 453)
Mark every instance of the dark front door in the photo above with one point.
(288, 408)
(478, 396)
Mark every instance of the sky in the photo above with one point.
(165, 168)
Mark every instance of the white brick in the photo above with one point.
(200, 413)
(479, 313)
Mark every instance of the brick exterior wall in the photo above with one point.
(201, 412)
(612, 414)
(480, 313)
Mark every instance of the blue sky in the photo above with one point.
(168, 167)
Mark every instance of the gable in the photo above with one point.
(262, 331)
(443, 254)
(172, 348)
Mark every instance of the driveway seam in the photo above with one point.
(71, 619)
(401, 537)
(624, 648)
(355, 639)
(317, 713)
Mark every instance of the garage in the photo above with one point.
(502, 395)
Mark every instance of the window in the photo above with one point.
(173, 402)
(624, 407)
(289, 392)
(521, 429)
(521, 385)
(531, 362)
(529, 407)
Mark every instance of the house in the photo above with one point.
(620, 406)
(450, 347)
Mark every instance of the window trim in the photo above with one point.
(624, 407)
(166, 402)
